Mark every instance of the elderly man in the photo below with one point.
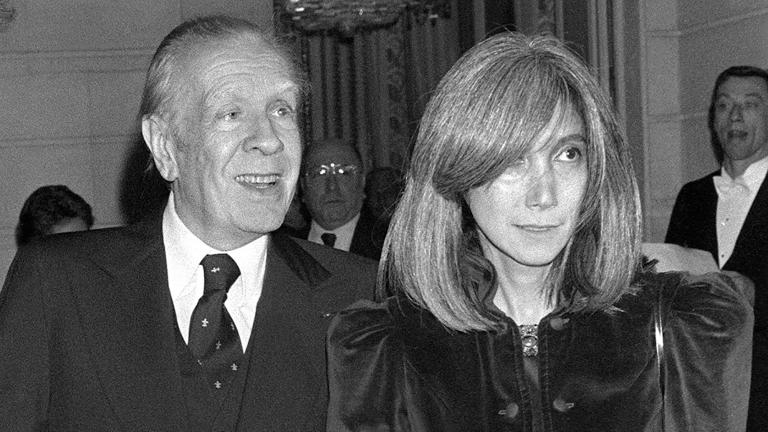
(333, 189)
(726, 212)
(200, 319)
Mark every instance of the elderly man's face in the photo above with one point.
(234, 156)
(741, 119)
(335, 197)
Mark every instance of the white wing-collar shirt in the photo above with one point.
(183, 253)
(733, 206)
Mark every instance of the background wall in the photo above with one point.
(684, 45)
(71, 74)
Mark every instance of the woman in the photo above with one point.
(519, 299)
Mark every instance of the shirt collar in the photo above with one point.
(349, 226)
(343, 233)
(184, 251)
(754, 174)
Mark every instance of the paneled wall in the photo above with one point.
(71, 73)
(685, 44)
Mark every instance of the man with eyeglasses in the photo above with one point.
(333, 189)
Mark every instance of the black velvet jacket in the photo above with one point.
(394, 367)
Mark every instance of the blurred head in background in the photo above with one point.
(51, 210)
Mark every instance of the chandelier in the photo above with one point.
(347, 16)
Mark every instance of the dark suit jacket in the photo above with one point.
(693, 224)
(87, 337)
(367, 239)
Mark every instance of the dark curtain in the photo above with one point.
(371, 86)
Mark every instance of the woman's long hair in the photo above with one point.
(487, 111)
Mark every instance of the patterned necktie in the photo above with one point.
(329, 239)
(213, 337)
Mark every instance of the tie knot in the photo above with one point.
(220, 272)
(329, 239)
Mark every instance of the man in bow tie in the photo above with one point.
(726, 212)
(201, 318)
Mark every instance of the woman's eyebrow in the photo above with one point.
(572, 137)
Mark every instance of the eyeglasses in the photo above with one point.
(323, 171)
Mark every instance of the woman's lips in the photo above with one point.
(537, 228)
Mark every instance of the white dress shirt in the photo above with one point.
(183, 253)
(343, 233)
(733, 205)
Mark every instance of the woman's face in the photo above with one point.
(527, 215)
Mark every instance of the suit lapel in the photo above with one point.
(127, 316)
(361, 237)
(368, 237)
(285, 386)
(707, 226)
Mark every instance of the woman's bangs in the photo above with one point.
(544, 111)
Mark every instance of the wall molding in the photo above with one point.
(697, 28)
(67, 141)
(57, 62)
(731, 20)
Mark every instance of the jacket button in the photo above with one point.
(510, 412)
(558, 323)
(562, 406)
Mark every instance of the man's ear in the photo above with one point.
(362, 185)
(159, 141)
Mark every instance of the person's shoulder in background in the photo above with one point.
(672, 257)
(354, 276)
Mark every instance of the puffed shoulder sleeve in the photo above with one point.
(365, 371)
(708, 352)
